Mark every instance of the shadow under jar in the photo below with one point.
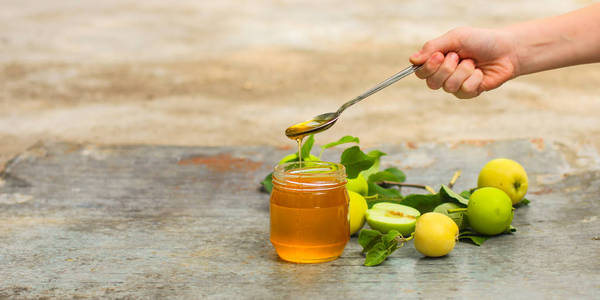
(309, 211)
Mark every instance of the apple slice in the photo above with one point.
(385, 216)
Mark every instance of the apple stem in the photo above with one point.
(456, 210)
(454, 178)
(413, 185)
(402, 239)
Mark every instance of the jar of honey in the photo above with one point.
(309, 211)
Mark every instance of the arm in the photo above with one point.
(469, 61)
(566, 40)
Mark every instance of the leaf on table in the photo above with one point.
(355, 161)
(267, 183)
(383, 247)
(343, 140)
(422, 202)
(448, 195)
(376, 255)
(523, 202)
(367, 238)
(307, 146)
(475, 239)
(398, 173)
(390, 236)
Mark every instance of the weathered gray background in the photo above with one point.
(189, 222)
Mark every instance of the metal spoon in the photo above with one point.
(324, 121)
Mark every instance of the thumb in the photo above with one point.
(445, 43)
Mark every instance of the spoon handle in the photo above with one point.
(380, 86)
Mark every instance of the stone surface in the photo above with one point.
(190, 222)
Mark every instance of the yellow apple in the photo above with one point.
(435, 234)
(507, 175)
(357, 208)
(358, 185)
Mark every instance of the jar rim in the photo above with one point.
(292, 171)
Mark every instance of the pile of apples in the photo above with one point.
(501, 184)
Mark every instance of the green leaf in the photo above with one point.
(448, 195)
(367, 238)
(384, 246)
(475, 239)
(343, 140)
(375, 189)
(355, 161)
(307, 146)
(267, 183)
(390, 236)
(424, 203)
(375, 154)
(383, 176)
(523, 202)
(466, 194)
(289, 158)
(376, 255)
(398, 173)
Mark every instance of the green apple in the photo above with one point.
(507, 175)
(386, 216)
(489, 211)
(357, 210)
(358, 185)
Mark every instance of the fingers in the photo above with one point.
(444, 44)
(463, 71)
(471, 86)
(437, 79)
(430, 66)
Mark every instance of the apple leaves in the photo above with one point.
(343, 140)
(355, 161)
(450, 196)
(267, 183)
(424, 203)
(378, 246)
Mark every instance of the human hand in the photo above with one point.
(468, 61)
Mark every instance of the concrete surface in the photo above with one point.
(155, 222)
(228, 73)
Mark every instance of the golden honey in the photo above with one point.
(309, 211)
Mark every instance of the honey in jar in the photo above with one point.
(309, 211)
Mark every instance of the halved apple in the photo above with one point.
(386, 216)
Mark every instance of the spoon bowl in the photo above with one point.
(317, 124)
(325, 121)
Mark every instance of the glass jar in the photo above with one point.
(309, 211)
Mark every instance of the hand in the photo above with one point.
(468, 61)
